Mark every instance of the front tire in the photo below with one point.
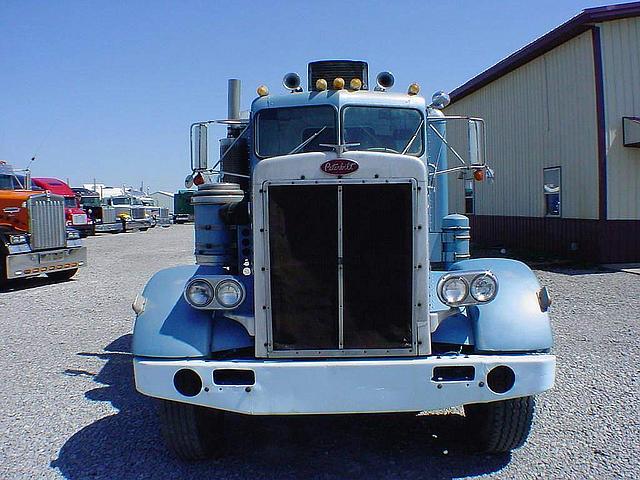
(502, 426)
(190, 432)
(63, 275)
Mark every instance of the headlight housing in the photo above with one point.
(17, 239)
(214, 293)
(459, 289)
(199, 293)
(229, 293)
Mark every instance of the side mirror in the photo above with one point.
(476, 142)
(199, 151)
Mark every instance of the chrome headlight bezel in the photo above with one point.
(468, 278)
(443, 284)
(485, 276)
(235, 284)
(206, 285)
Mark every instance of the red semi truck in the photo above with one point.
(75, 216)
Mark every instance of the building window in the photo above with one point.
(552, 191)
(468, 196)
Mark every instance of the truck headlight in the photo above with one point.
(484, 287)
(453, 290)
(229, 293)
(199, 293)
(17, 239)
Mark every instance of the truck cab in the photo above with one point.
(75, 216)
(130, 211)
(331, 278)
(102, 215)
(34, 235)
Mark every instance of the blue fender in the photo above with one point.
(513, 321)
(170, 328)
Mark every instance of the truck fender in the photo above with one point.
(169, 327)
(514, 320)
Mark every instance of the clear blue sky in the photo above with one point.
(108, 89)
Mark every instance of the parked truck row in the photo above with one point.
(42, 220)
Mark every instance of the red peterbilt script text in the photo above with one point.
(339, 166)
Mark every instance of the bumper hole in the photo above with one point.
(187, 382)
(229, 376)
(501, 379)
(458, 373)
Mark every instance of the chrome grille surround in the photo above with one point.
(47, 221)
(304, 170)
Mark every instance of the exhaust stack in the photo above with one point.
(234, 99)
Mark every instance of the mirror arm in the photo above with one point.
(447, 144)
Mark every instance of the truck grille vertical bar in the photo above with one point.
(47, 222)
(340, 273)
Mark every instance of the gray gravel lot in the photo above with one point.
(70, 410)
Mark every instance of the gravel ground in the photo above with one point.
(70, 410)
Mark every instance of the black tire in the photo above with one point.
(63, 275)
(144, 229)
(4, 281)
(191, 432)
(502, 426)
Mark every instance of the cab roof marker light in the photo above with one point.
(413, 89)
(321, 85)
(262, 91)
(338, 83)
(355, 84)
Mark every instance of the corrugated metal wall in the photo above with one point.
(621, 65)
(543, 114)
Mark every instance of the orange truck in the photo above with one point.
(34, 238)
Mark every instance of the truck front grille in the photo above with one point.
(341, 268)
(108, 214)
(47, 221)
(138, 212)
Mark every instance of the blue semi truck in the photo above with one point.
(330, 277)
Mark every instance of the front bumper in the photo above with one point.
(345, 386)
(109, 227)
(34, 263)
(163, 221)
(137, 224)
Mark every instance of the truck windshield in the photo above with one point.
(384, 129)
(281, 131)
(91, 201)
(70, 202)
(10, 182)
(120, 201)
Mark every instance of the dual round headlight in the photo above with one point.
(226, 294)
(458, 290)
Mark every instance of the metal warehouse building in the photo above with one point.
(563, 136)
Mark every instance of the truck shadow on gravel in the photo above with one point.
(127, 445)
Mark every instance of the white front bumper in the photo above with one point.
(345, 386)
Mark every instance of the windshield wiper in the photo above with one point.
(307, 141)
(406, 149)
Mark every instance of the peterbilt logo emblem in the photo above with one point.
(339, 166)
